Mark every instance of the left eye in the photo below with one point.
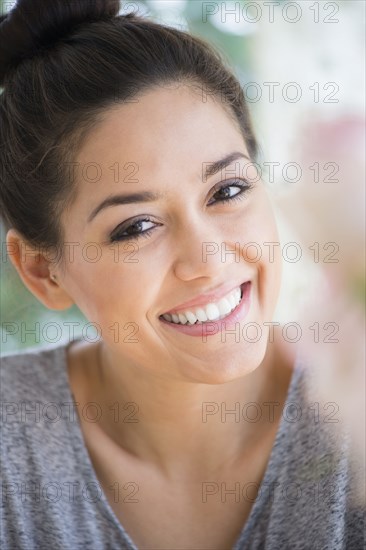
(226, 195)
(124, 233)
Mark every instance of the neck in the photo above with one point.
(180, 425)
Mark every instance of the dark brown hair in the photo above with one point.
(62, 64)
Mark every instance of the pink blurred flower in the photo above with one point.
(334, 212)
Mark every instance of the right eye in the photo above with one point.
(133, 231)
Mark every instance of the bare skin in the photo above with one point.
(198, 509)
(169, 134)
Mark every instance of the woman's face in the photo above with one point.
(162, 144)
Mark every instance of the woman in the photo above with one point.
(129, 189)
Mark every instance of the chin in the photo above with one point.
(225, 367)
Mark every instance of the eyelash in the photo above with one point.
(244, 189)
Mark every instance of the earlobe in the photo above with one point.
(34, 270)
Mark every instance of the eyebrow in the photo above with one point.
(148, 196)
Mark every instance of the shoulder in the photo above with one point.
(33, 386)
(27, 373)
(36, 409)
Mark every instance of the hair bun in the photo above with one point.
(35, 24)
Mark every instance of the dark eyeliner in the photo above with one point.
(245, 187)
(115, 235)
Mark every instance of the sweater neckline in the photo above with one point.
(88, 472)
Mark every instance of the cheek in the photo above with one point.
(257, 226)
(117, 289)
(262, 250)
(96, 286)
(270, 246)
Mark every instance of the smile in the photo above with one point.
(212, 311)
(239, 301)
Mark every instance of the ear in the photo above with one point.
(35, 269)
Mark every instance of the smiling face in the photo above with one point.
(194, 241)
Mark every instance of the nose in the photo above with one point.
(198, 253)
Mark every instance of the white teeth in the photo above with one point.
(190, 317)
(182, 318)
(210, 312)
(224, 306)
(231, 301)
(201, 315)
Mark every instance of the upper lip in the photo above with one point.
(207, 297)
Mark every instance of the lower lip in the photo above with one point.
(210, 328)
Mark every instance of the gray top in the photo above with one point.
(51, 497)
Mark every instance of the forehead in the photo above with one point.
(168, 126)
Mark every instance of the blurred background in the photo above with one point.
(302, 68)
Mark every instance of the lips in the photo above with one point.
(210, 328)
(205, 298)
